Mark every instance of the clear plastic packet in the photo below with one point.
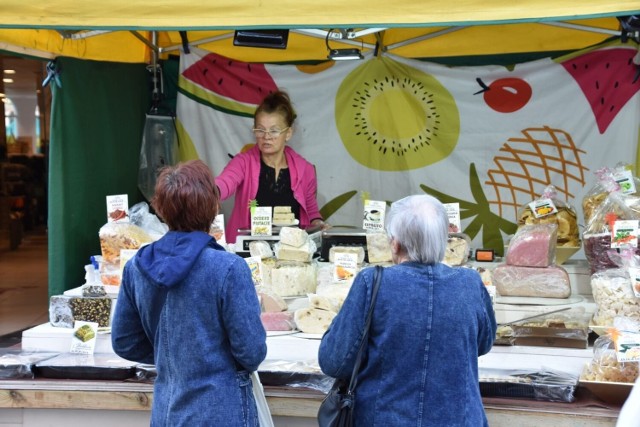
(605, 366)
(542, 282)
(18, 364)
(605, 184)
(597, 234)
(611, 289)
(303, 374)
(546, 384)
(458, 249)
(139, 215)
(570, 324)
(565, 218)
(117, 236)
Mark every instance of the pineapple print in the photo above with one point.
(524, 166)
(527, 164)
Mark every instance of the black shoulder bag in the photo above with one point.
(336, 410)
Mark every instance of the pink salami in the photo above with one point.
(533, 245)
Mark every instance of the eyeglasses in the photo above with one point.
(273, 133)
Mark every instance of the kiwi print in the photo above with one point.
(393, 117)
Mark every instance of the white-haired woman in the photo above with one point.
(430, 323)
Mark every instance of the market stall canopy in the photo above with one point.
(129, 31)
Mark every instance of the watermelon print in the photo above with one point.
(244, 82)
(607, 78)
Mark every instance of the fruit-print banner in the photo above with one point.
(490, 138)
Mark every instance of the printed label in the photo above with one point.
(542, 207)
(374, 211)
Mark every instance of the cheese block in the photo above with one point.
(322, 302)
(293, 236)
(313, 320)
(260, 248)
(281, 321)
(545, 282)
(359, 250)
(284, 218)
(378, 248)
(281, 210)
(267, 266)
(270, 302)
(533, 246)
(302, 253)
(457, 251)
(65, 310)
(289, 278)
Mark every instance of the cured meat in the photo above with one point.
(281, 321)
(545, 282)
(533, 246)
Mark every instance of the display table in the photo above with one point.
(34, 403)
(107, 403)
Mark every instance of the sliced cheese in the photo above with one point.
(281, 209)
(313, 320)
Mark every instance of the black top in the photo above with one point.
(272, 192)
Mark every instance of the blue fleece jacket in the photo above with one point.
(191, 308)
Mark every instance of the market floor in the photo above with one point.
(23, 285)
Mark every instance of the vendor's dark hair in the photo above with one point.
(277, 102)
(186, 196)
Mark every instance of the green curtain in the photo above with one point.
(97, 121)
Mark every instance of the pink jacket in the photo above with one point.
(241, 175)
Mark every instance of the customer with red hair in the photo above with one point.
(191, 309)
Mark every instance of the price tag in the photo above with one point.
(453, 212)
(345, 267)
(628, 347)
(374, 211)
(624, 233)
(84, 336)
(118, 208)
(261, 221)
(542, 207)
(255, 265)
(634, 277)
(625, 181)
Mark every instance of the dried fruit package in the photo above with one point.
(597, 233)
(612, 292)
(605, 366)
(565, 218)
(604, 185)
(116, 236)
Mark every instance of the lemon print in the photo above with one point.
(392, 117)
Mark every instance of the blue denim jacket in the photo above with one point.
(191, 308)
(430, 323)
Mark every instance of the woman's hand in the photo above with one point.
(320, 223)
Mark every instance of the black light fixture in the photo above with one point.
(630, 27)
(342, 54)
(272, 39)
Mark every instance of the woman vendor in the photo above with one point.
(270, 172)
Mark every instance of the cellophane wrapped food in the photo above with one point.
(533, 245)
(605, 366)
(597, 234)
(116, 236)
(541, 282)
(612, 291)
(458, 248)
(605, 184)
(565, 218)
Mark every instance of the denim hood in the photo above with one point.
(169, 260)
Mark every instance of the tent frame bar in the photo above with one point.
(583, 28)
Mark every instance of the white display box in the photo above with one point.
(50, 338)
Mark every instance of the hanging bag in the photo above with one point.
(336, 410)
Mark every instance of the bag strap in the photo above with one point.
(365, 335)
